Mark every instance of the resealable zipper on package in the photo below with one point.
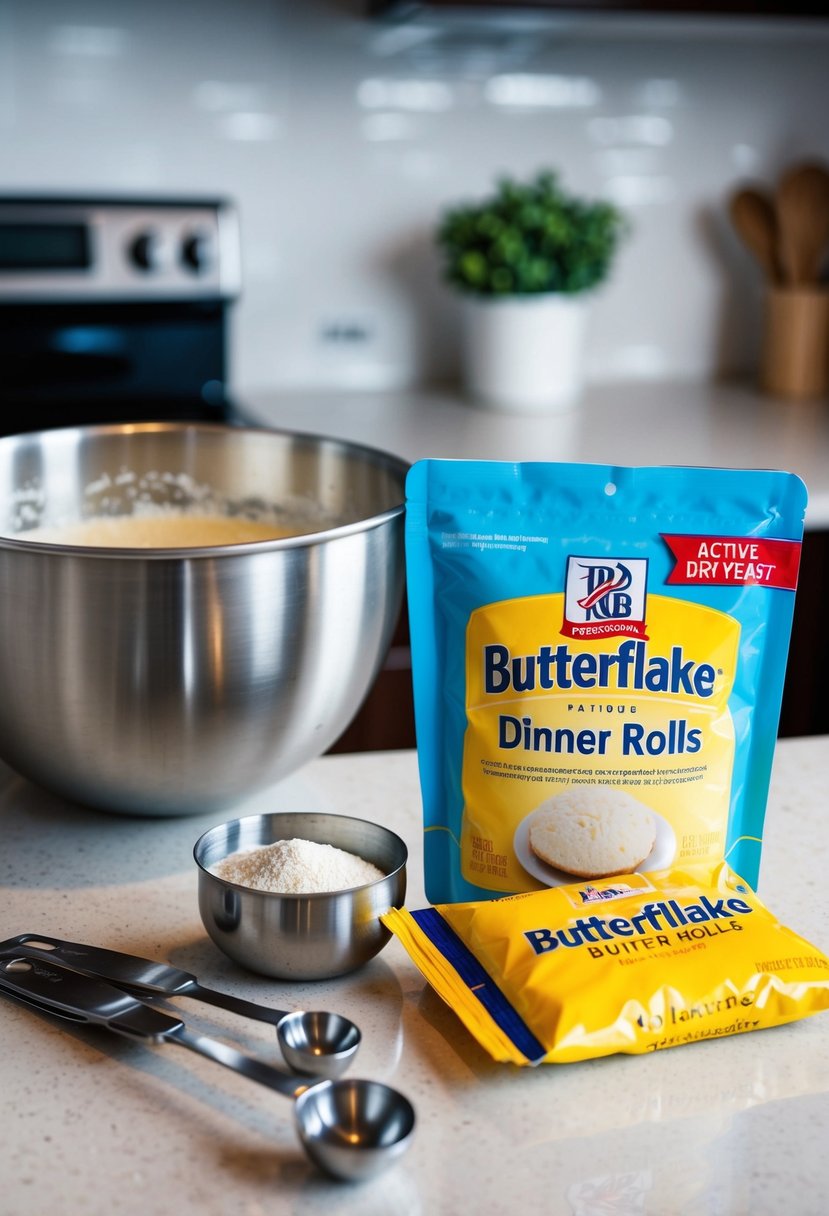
(598, 657)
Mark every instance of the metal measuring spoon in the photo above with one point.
(313, 1043)
(351, 1129)
(354, 1129)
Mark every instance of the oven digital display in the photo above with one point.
(28, 246)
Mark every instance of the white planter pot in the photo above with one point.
(524, 353)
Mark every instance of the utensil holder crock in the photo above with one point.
(795, 359)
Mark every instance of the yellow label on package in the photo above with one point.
(544, 725)
(632, 964)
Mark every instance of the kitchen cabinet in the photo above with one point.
(385, 721)
(805, 703)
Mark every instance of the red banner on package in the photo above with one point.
(733, 561)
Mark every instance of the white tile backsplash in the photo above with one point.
(342, 137)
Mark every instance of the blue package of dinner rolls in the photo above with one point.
(598, 657)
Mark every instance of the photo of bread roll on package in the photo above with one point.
(593, 833)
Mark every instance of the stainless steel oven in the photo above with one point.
(115, 310)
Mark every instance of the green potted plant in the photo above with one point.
(525, 261)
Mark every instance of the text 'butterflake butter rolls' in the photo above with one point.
(632, 964)
(598, 657)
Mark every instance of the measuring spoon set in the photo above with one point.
(351, 1129)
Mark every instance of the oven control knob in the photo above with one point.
(196, 252)
(145, 251)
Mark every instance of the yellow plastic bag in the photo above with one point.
(630, 964)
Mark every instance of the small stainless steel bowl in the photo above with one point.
(300, 937)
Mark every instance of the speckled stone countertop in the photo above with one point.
(94, 1124)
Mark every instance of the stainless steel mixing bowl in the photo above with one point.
(300, 937)
(160, 682)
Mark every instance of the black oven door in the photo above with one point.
(72, 364)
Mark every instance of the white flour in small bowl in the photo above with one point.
(297, 867)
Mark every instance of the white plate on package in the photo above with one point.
(660, 857)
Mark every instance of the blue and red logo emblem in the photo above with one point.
(605, 597)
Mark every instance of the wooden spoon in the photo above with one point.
(803, 219)
(753, 216)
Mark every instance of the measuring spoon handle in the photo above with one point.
(53, 988)
(238, 1061)
(236, 1004)
(141, 976)
(125, 970)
